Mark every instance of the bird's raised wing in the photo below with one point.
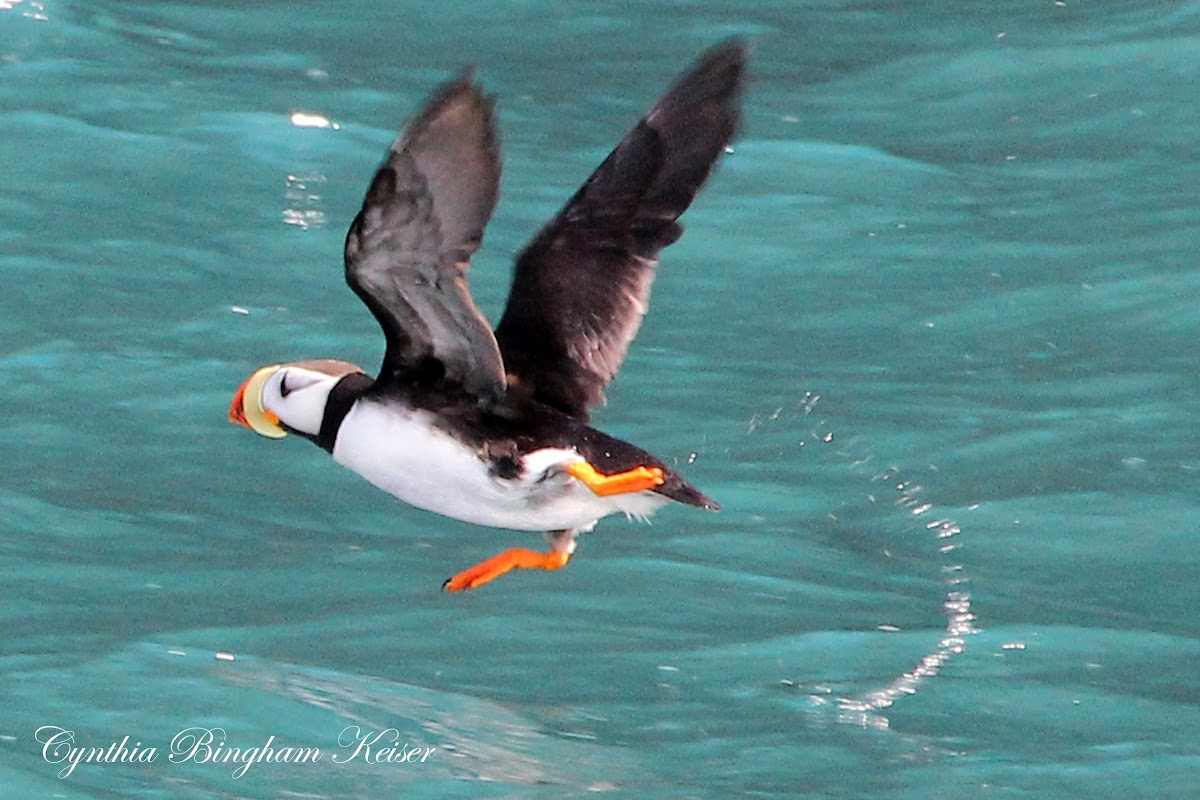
(408, 250)
(582, 286)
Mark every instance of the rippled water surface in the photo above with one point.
(930, 339)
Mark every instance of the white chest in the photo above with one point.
(401, 451)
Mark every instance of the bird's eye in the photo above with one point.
(284, 391)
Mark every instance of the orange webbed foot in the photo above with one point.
(638, 479)
(494, 567)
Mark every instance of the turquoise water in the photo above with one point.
(930, 339)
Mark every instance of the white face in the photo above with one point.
(298, 396)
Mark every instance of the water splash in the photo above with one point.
(303, 200)
(864, 709)
(956, 606)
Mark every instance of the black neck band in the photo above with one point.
(341, 398)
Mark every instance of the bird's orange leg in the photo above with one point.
(494, 567)
(638, 479)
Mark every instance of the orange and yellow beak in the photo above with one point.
(247, 408)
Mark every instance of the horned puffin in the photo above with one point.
(491, 427)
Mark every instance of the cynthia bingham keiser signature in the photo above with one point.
(207, 746)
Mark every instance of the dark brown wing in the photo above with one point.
(408, 250)
(582, 286)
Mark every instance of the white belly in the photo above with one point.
(402, 452)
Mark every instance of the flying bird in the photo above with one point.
(491, 427)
